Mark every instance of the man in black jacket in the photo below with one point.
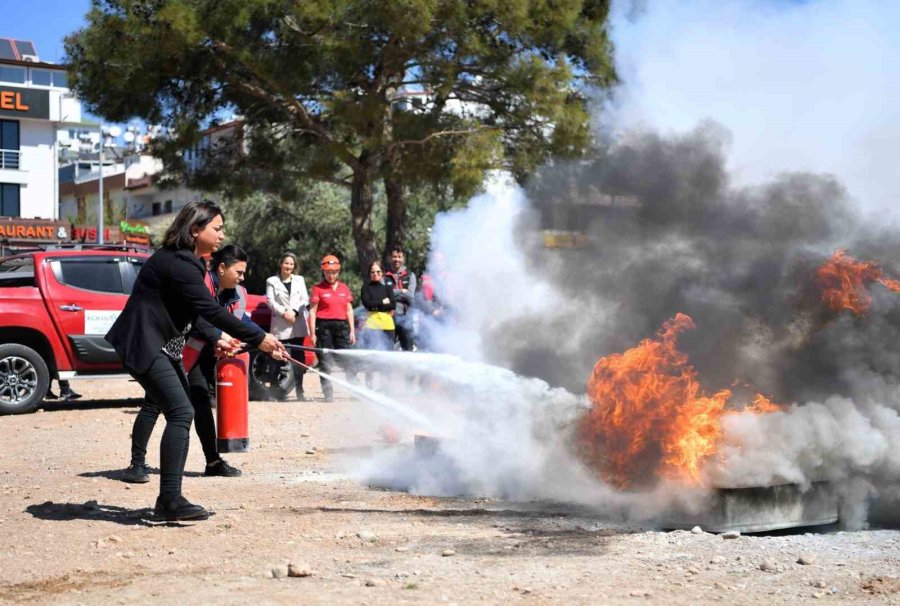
(404, 283)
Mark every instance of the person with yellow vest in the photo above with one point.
(378, 299)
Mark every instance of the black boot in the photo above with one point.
(220, 468)
(178, 509)
(136, 473)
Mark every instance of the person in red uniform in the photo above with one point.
(331, 313)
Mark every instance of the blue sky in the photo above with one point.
(44, 22)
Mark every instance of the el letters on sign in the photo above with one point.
(24, 102)
(12, 101)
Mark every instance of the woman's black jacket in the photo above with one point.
(168, 294)
(373, 295)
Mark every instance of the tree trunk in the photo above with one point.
(361, 202)
(396, 210)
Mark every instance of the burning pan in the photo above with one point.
(752, 509)
(762, 508)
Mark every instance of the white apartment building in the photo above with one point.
(35, 103)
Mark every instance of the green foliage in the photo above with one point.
(321, 85)
(311, 225)
(314, 224)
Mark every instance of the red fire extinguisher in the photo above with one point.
(309, 356)
(232, 397)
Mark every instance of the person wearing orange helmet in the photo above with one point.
(331, 315)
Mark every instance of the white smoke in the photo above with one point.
(484, 275)
(853, 444)
(501, 435)
(498, 435)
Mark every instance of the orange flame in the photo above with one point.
(843, 282)
(649, 416)
(762, 405)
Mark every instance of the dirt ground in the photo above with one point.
(73, 533)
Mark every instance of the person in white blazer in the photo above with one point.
(288, 299)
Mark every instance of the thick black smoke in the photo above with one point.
(667, 233)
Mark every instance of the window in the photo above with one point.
(157, 208)
(17, 272)
(9, 134)
(168, 206)
(12, 73)
(99, 274)
(9, 199)
(9, 144)
(133, 268)
(17, 265)
(48, 77)
(41, 77)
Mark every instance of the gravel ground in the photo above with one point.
(295, 528)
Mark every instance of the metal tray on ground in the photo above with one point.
(761, 509)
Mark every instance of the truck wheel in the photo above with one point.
(261, 388)
(24, 379)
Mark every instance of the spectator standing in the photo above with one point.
(288, 299)
(430, 304)
(378, 299)
(331, 315)
(404, 285)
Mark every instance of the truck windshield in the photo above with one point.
(18, 271)
(17, 265)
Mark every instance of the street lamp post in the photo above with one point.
(100, 197)
(113, 131)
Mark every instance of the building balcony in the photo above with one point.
(10, 159)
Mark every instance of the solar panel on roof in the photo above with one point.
(25, 47)
(6, 49)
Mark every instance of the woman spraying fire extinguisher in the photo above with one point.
(228, 266)
(168, 297)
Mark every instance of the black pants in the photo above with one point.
(166, 385)
(404, 331)
(331, 334)
(200, 382)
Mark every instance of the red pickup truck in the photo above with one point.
(55, 308)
